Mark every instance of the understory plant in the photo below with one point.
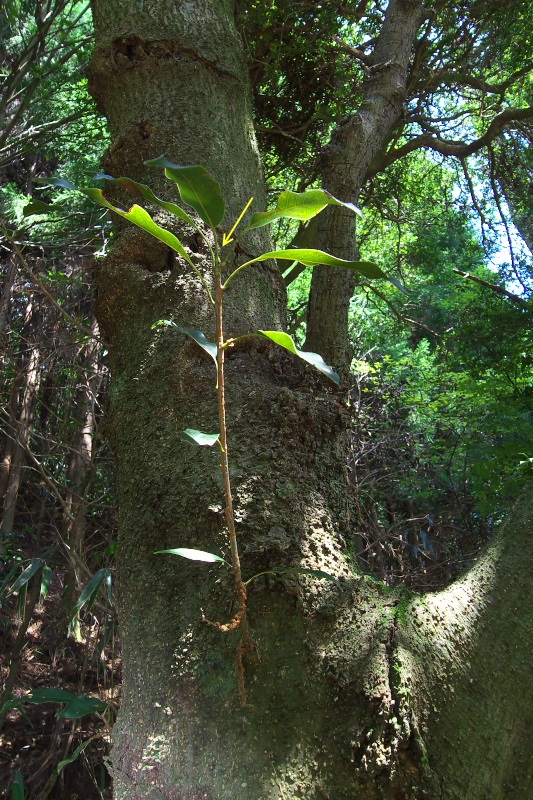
(201, 193)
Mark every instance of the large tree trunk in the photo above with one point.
(353, 692)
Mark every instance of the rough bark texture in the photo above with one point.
(357, 692)
(346, 159)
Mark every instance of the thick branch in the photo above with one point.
(453, 148)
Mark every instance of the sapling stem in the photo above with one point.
(239, 619)
(224, 458)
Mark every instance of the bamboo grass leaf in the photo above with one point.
(90, 592)
(23, 579)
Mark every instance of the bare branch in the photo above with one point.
(495, 288)
(360, 55)
(452, 78)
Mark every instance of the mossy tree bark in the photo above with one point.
(358, 692)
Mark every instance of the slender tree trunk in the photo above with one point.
(19, 427)
(80, 465)
(80, 462)
(353, 692)
(7, 287)
(345, 161)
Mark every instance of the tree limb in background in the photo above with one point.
(495, 288)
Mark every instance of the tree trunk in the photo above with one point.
(9, 275)
(80, 463)
(354, 143)
(20, 423)
(352, 692)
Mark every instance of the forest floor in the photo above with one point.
(36, 741)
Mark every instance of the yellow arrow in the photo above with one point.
(227, 239)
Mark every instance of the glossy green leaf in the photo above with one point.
(18, 791)
(286, 341)
(317, 573)
(38, 207)
(76, 706)
(302, 206)
(312, 258)
(195, 334)
(194, 555)
(81, 705)
(197, 188)
(197, 437)
(141, 190)
(136, 214)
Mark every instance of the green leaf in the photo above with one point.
(74, 756)
(82, 705)
(76, 705)
(197, 437)
(193, 555)
(17, 788)
(9, 705)
(195, 334)
(45, 581)
(90, 592)
(111, 548)
(303, 206)
(138, 215)
(4, 588)
(38, 207)
(140, 189)
(197, 188)
(318, 573)
(286, 341)
(23, 579)
(50, 695)
(312, 258)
